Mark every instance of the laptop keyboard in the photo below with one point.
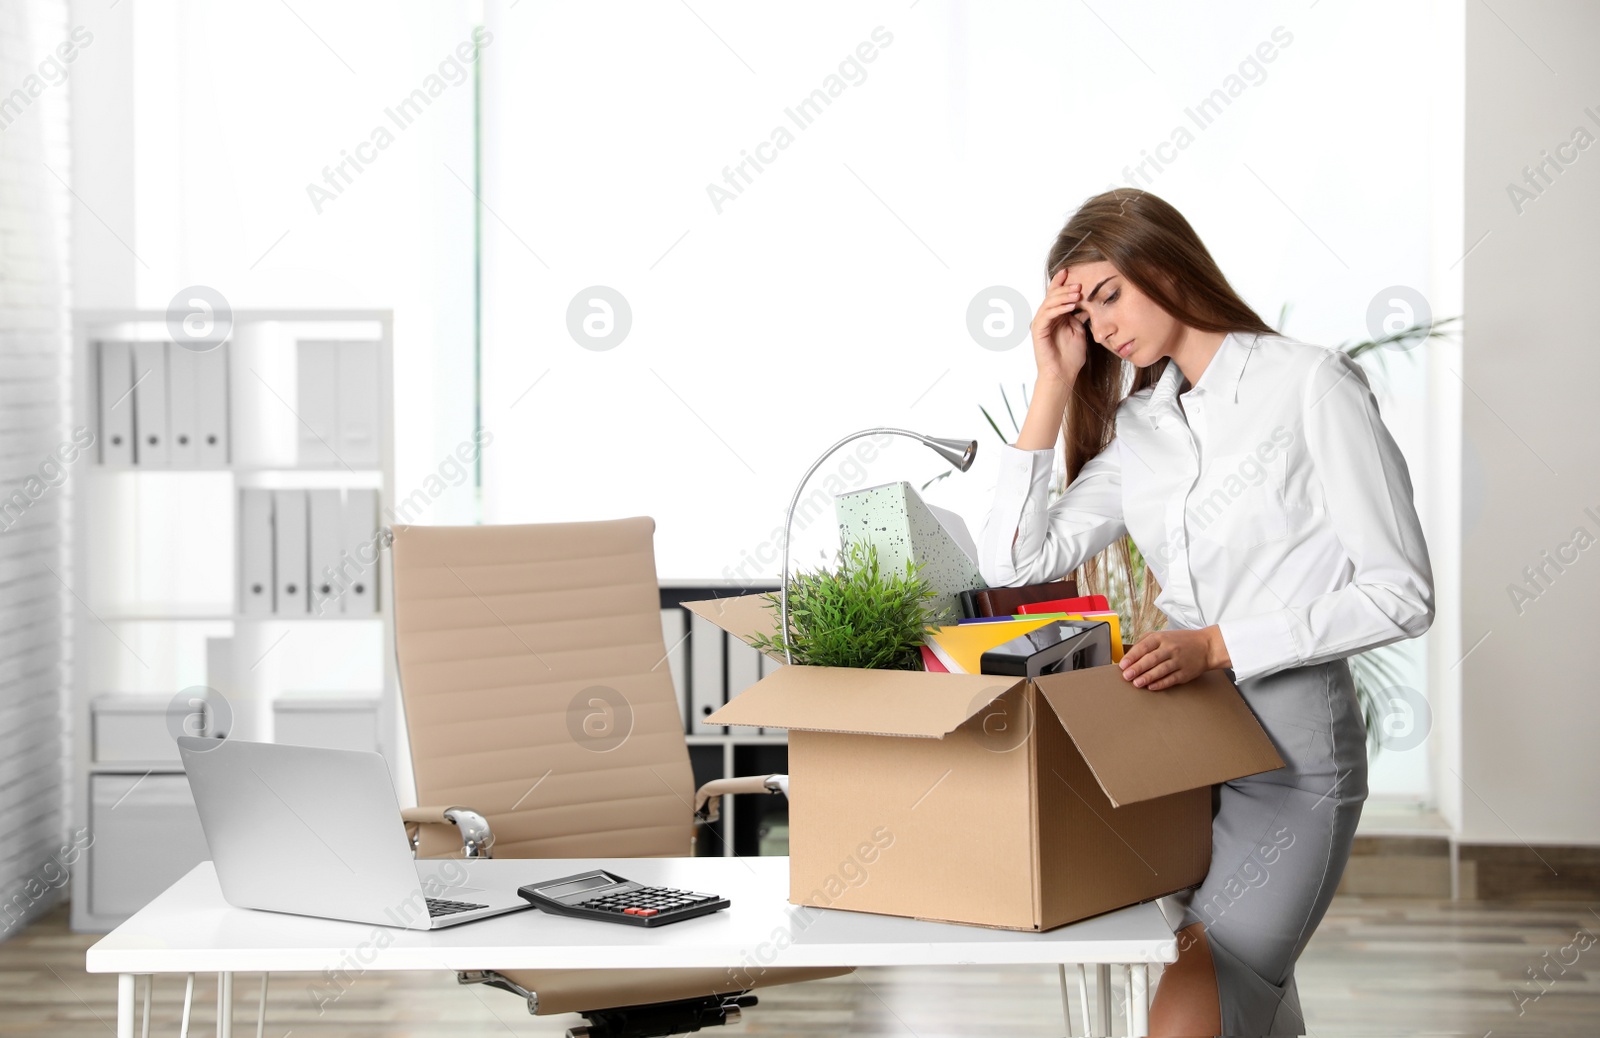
(438, 906)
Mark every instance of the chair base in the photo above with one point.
(662, 1018)
(654, 1020)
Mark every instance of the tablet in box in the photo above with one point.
(1055, 648)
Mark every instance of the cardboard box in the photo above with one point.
(1004, 802)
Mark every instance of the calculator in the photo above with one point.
(602, 895)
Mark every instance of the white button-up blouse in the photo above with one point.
(1269, 499)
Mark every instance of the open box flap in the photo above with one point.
(743, 616)
(865, 702)
(1142, 744)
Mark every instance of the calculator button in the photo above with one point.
(647, 911)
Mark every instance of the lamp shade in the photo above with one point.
(959, 453)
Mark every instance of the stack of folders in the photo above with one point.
(337, 403)
(1006, 601)
(959, 648)
(308, 552)
(162, 405)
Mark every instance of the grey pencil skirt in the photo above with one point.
(1279, 843)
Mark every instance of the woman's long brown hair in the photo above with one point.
(1153, 246)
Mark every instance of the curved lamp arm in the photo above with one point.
(957, 452)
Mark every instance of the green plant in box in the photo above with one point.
(857, 616)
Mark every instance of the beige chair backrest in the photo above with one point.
(536, 689)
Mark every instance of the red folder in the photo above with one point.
(1087, 603)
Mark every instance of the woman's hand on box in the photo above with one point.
(1162, 659)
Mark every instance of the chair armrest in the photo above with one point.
(476, 836)
(708, 799)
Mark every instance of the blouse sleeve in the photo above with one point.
(1367, 489)
(1052, 540)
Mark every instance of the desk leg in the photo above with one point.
(1138, 999)
(1083, 999)
(1141, 977)
(188, 1004)
(1066, 1003)
(125, 1005)
(224, 1005)
(1102, 1002)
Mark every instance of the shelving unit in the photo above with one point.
(702, 655)
(154, 576)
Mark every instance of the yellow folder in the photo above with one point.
(965, 644)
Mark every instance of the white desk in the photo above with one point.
(190, 929)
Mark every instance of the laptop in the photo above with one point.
(314, 831)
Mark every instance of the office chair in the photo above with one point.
(543, 721)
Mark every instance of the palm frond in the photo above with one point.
(993, 425)
(1406, 338)
(1372, 672)
(1009, 415)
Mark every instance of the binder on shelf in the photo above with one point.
(219, 667)
(358, 552)
(705, 675)
(213, 411)
(116, 404)
(673, 629)
(358, 403)
(256, 587)
(150, 405)
(292, 561)
(183, 407)
(325, 509)
(317, 404)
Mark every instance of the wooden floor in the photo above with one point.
(1377, 966)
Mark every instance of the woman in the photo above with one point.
(1275, 512)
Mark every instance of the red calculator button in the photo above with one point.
(646, 911)
(633, 911)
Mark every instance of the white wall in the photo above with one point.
(201, 128)
(1439, 483)
(832, 294)
(1529, 772)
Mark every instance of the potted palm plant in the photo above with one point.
(857, 615)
